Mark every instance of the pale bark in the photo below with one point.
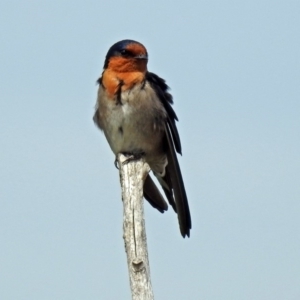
(132, 177)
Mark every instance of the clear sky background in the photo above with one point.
(234, 70)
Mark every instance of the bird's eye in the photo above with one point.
(124, 52)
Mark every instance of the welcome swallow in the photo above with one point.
(134, 111)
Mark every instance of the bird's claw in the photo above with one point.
(132, 157)
(116, 163)
(129, 157)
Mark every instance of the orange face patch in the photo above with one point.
(125, 70)
(136, 49)
(124, 64)
(112, 81)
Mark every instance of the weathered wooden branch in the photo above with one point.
(132, 177)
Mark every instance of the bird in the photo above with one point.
(134, 111)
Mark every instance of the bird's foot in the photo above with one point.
(132, 156)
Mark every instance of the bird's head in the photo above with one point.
(126, 56)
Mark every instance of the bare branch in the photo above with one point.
(132, 177)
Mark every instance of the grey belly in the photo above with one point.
(133, 131)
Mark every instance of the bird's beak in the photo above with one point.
(142, 56)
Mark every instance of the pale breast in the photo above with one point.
(135, 124)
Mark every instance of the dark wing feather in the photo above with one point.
(153, 195)
(161, 89)
(174, 174)
(173, 177)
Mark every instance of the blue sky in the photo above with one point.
(234, 71)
